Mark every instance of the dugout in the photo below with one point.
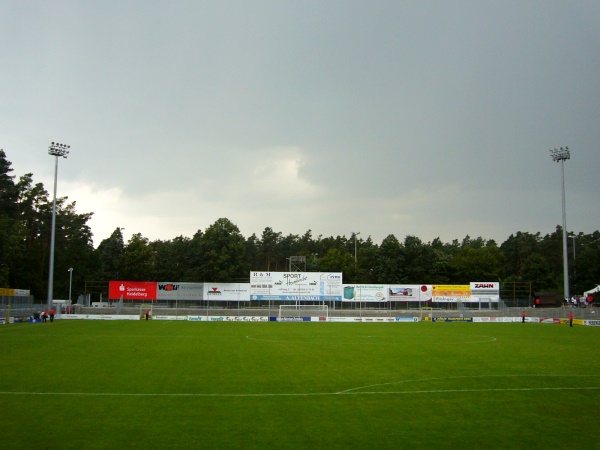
(545, 300)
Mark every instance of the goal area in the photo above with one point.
(303, 311)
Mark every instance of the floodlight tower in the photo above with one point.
(55, 150)
(560, 156)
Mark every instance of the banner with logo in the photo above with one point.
(227, 292)
(411, 293)
(132, 290)
(486, 292)
(295, 286)
(7, 292)
(365, 293)
(178, 291)
(451, 293)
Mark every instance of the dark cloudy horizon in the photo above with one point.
(432, 118)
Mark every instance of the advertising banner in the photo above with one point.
(452, 319)
(445, 293)
(295, 286)
(227, 292)
(487, 292)
(365, 293)
(132, 290)
(99, 317)
(410, 293)
(498, 319)
(7, 292)
(180, 291)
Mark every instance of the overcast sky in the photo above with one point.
(425, 118)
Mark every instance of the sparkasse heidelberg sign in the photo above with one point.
(132, 290)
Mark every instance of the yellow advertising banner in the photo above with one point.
(451, 292)
(4, 292)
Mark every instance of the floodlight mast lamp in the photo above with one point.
(55, 150)
(560, 156)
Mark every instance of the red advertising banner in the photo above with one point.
(132, 290)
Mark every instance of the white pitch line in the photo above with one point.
(487, 339)
(462, 377)
(306, 394)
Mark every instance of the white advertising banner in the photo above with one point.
(99, 317)
(295, 286)
(365, 293)
(227, 292)
(411, 293)
(486, 292)
(227, 319)
(177, 291)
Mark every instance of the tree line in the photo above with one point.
(221, 253)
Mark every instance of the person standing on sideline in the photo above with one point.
(147, 314)
(44, 316)
(570, 319)
(52, 315)
(523, 317)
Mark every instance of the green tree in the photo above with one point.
(224, 253)
(517, 249)
(138, 260)
(387, 265)
(10, 229)
(477, 261)
(269, 245)
(537, 270)
(586, 265)
(418, 258)
(337, 260)
(108, 254)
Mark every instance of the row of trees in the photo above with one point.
(221, 253)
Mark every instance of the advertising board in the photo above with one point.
(365, 293)
(7, 292)
(296, 286)
(233, 292)
(132, 290)
(410, 293)
(485, 292)
(448, 293)
(177, 291)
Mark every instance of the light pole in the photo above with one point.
(355, 249)
(574, 262)
(560, 156)
(55, 150)
(70, 283)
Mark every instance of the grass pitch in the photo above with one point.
(155, 384)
